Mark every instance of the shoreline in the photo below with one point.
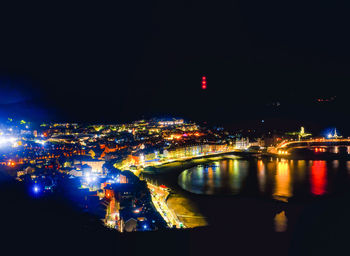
(187, 163)
(179, 200)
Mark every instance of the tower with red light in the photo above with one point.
(204, 83)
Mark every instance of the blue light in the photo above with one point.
(144, 226)
(330, 132)
(36, 189)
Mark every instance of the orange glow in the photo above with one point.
(283, 188)
(281, 222)
(11, 163)
(109, 193)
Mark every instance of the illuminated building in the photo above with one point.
(334, 136)
(242, 143)
(76, 173)
(173, 122)
(301, 134)
(192, 151)
(96, 165)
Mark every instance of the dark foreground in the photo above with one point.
(54, 226)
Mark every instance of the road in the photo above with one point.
(159, 196)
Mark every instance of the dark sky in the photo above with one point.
(119, 61)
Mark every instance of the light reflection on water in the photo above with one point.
(278, 179)
(261, 175)
(281, 222)
(283, 183)
(318, 178)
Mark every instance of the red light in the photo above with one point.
(318, 178)
(204, 83)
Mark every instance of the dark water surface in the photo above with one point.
(278, 179)
(268, 206)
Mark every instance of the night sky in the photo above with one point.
(131, 59)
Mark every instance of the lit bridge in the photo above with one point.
(319, 146)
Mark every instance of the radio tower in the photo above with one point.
(204, 82)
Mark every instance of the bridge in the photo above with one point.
(320, 145)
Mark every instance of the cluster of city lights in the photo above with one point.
(114, 180)
(281, 152)
(90, 178)
(7, 140)
(42, 142)
(320, 150)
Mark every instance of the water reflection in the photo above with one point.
(281, 179)
(283, 186)
(224, 177)
(336, 163)
(318, 178)
(348, 166)
(261, 176)
(237, 173)
(280, 221)
(299, 172)
(210, 181)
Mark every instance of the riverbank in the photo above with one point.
(186, 164)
